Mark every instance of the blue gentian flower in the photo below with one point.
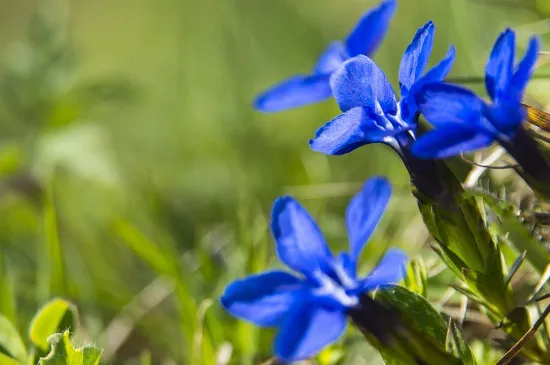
(371, 110)
(310, 307)
(301, 90)
(463, 121)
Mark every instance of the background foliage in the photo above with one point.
(136, 180)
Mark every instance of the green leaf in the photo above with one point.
(417, 311)
(55, 316)
(6, 360)
(54, 265)
(516, 232)
(147, 250)
(424, 331)
(7, 288)
(457, 345)
(416, 278)
(11, 343)
(63, 353)
(453, 219)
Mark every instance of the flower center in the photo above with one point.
(337, 287)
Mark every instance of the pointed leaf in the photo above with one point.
(457, 345)
(63, 353)
(416, 278)
(515, 266)
(418, 312)
(55, 316)
(509, 224)
(6, 360)
(11, 343)
(424, 329)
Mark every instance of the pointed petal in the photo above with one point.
(416, 57)
(390, 270)
(409, 108)
(500, 67)
(300, 244)
(371, 29)
(525, 69)
(364, 212)
(294, 92)
(442, 104)
(450, 140)
(307, 330)
(441, 70)
(347, 132)
(333, 57)
(263, 299)
(361, 83)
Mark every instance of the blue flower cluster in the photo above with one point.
(310, 308)
(371, 112)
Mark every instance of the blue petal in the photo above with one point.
(348, 131)
(307, 330)
(360, 83)
(294, 92)
(416, 57)
(442, 104)
(525, 70)
(506, 116)
(435, 74)
(371, 29)
(300, 244)
(333, 57)
(263, 299)
(389, 270)
(500, 67)
(450, 140)
(349, 265)
(439, 71)
(364, 212)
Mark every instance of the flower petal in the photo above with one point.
(416, 57)
(450, 140)
(300, 244)
(349, 265)
(371, 29)
(361, 83)
(364, 212)
(307, 330)
(348, 131)
(525, 69)
(294, 92)
(443, 103)
(439, 71)
(409, 108)
(506, 116)
(500, 67)
(263, 299)
(333, 57)
(389, 270)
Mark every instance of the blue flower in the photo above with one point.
(301, 90)
(463, 121)
(310, 308)
(371, 110)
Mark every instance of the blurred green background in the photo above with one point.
(136, 180)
